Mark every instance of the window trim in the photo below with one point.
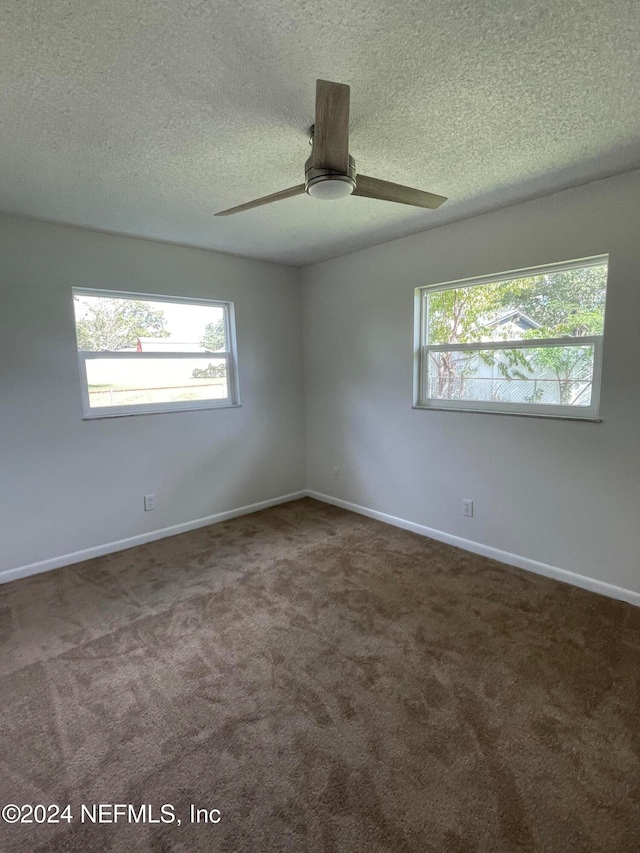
(230, 355)
(422, 350)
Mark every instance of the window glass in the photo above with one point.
(550, 322)
(143, 354)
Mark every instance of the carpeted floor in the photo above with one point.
(328, 683)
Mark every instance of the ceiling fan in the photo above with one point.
(330, 172)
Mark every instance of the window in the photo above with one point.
(524, 342)
(141, 354)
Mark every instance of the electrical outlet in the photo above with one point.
(149, 502)
(467, 507)
(336, 473)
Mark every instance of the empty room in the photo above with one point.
(319, 427)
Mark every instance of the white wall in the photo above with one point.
(562, 493)
(66, 484)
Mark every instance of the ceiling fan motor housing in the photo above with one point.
(314, 176)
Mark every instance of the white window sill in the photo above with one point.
(556, 417)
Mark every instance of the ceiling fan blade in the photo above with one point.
(331, 129)
(387, 191)
(267, 199)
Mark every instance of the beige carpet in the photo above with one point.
(328, 683)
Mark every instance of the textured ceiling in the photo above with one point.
(147, 117)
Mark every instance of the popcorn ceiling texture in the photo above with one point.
(149, 117)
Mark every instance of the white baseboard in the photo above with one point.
(516, 560)
(519, 562)
(151, 536)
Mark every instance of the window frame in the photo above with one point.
(422, 350)
(230, 355)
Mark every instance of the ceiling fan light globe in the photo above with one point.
(331, 189)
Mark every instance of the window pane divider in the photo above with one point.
(527, 343)
(104, 354)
